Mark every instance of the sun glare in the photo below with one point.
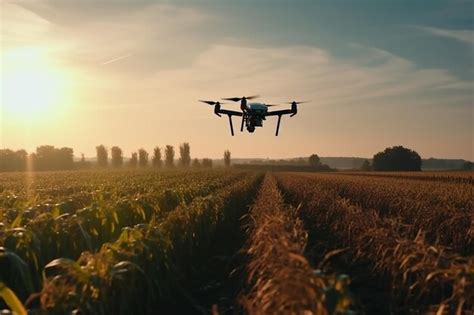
(32, 85)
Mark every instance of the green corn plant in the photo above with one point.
(15, 274)
(12, 300)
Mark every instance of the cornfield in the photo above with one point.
(233, 242)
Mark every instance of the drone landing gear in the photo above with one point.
(278, 125)
(231, 125)
(242, 124)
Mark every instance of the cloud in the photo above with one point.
(83, 36)
(116, 59)
(173, 58)
(20, 26)
(465, 36)
(303, 72)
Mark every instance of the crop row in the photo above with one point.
(151, 264)
(52, 234)
(442, 211)
(70, 191)
(280, 278)
(416, 274)
(461, 177)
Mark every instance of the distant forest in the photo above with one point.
(356, 163)
(49, 158)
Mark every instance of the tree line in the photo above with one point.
(162, 157)
(399, 158)
(395, 158)
(48, 157)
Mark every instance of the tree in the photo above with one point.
(102, 156)
(65, 158)
(133, 160)
(156, 161)
(468, 166)
(169, 156)
(48, 157)
(22, 160)
(397, 158)
(227, 158)
(117, 157)
(185, 155)
(314, 160)
(365, 166)
(196, 163)
(206, 163)
(142, 158)
(45, 158)
(13, 161)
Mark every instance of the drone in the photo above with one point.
(253, 114)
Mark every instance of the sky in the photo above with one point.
(130, 73)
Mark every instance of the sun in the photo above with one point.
(32, 86)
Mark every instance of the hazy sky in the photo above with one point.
(129, 73)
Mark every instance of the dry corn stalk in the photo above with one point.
(280, 278)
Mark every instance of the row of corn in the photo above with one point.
(280, 278)
(417, 275)
(466, 177)
(68, 284)
(443, 210)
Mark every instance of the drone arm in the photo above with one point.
(228, 112)
(294, 109)
(280, 112)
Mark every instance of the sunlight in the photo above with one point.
(32, 87)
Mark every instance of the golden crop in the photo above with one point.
(194, 242)
(414, 236)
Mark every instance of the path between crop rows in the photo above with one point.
(280, 279)
(257, 265)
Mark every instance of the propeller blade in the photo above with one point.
(301, 102)
(233, 99)
(212, 102)
(270, 105)
(238, 99)
(208, 102)
(252, 97)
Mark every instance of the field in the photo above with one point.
(232, 242)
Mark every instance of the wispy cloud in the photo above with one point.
(313, 73)
(466, 36)
(116, 59)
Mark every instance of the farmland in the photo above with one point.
(227, 241)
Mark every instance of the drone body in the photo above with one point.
(253, 114)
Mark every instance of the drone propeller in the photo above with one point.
(237, 99)
(211, 102)
(270, 105)
(300, 102)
